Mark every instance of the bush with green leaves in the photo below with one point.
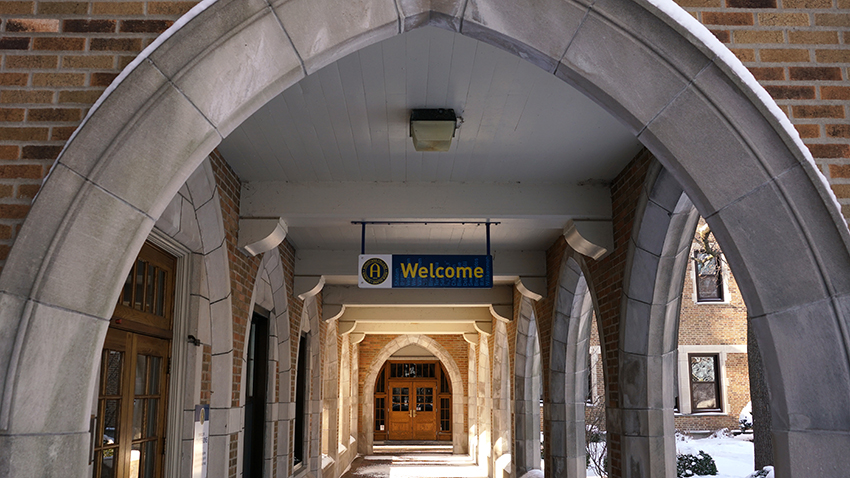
(692, 465)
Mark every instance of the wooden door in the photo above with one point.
(131, 406)
(401, 413)
(424, 421)
(130, 419)
(412, 413)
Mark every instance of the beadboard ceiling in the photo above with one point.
(348, 124)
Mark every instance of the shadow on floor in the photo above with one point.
(419, 460)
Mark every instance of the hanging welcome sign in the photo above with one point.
(424, 271)
(399, 271)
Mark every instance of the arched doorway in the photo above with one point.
(370, 395)
(413, 401)
(722, 140)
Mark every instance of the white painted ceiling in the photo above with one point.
(348, 124)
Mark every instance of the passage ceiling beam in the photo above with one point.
(401, 200)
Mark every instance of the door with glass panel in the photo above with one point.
(401, 412)
(131, 406)
(130, 416)
(424, 422)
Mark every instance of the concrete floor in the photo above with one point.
(400, 460)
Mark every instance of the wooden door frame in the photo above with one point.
(434, 382)
(183, 267)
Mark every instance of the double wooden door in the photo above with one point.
(130, 436)
(130, 417)
(412, 413)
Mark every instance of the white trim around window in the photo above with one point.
(685, 380)
(595, 357)
(724, 270)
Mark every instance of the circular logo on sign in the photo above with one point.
(375, 271)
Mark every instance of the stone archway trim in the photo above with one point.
(368, 399)
(111, 178)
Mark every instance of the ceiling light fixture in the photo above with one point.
(432, 129)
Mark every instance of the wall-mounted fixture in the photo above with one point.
(432, 129)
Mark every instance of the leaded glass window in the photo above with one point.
(705, 382)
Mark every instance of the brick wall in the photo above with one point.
(717, 324)
(243, 273)
(56, 58)
(799, 50)
(606, 278)
(712, 323)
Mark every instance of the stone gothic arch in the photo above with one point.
(722, 138)
(527, 390)
(459, 438)
(659, 250)
(563, 413)
(270, 294)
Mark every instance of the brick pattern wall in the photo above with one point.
(712, 323)
(737, 393)
(606, 278)
(799, 50)
(243, 268)
(243, 272)
(56, 58)
(206, 375)
(717, 324)
(233, 455)
(606, 275)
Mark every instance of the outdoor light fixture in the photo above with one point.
(432, 129)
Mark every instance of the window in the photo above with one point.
(300, 401)
(412, 370)
(704, 373)
(255, 397)
(708, 273)
(131, 409)
(445, 396)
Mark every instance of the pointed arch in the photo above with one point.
(431, 345)
(567, 373)
(527, 391)
(745, 170)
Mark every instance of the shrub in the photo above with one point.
(766, 472)
(745, 419)
(691, 465)
(596, 444)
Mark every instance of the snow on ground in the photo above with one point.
(732, 455)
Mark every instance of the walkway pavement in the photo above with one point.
(414, 461)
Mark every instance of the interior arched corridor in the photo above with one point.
(714, 145)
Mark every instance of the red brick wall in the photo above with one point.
(243, 273)
(712, 323)
(57, 58)
(606, 279)
(799, 50)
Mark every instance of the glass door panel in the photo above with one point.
(130, 425)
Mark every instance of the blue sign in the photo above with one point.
(442, 271)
